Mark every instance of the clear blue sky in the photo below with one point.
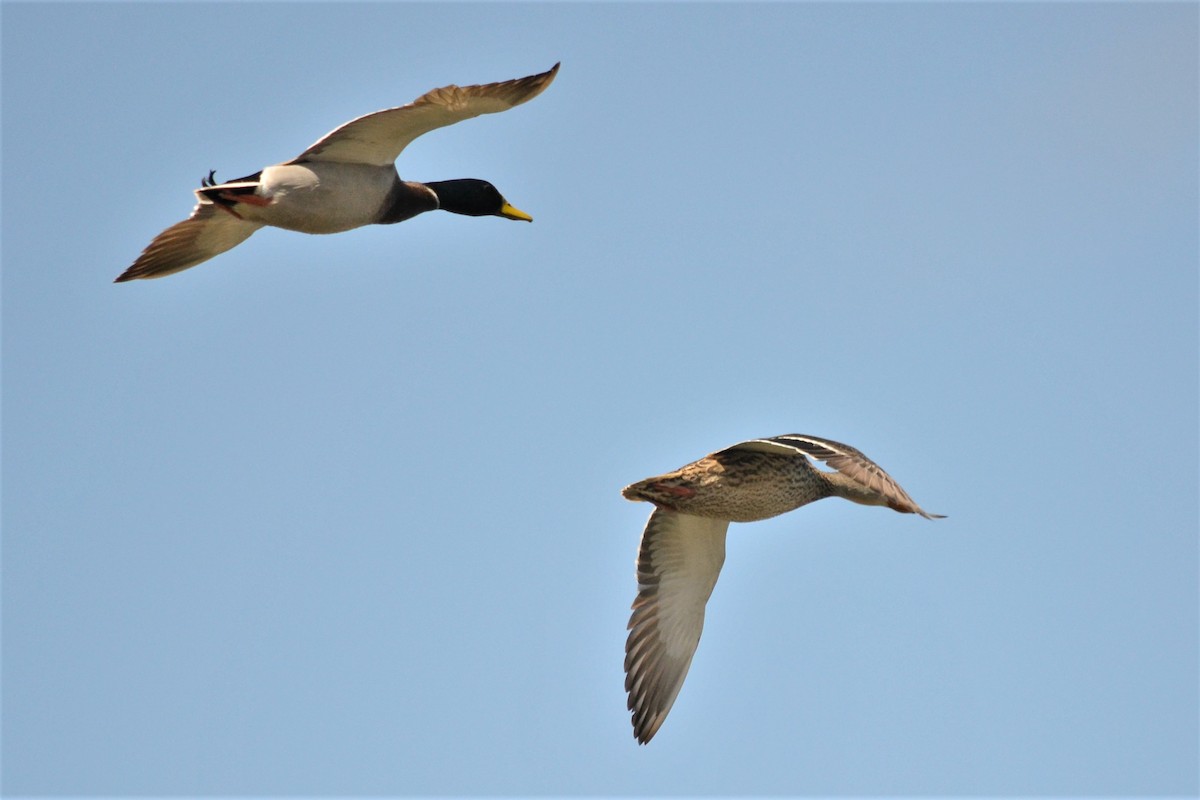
(341, 515)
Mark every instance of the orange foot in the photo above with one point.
(675, 491)
(249, 199)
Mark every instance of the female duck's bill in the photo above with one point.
(345, 180)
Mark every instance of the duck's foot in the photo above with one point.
(673, 491)
(249, 199)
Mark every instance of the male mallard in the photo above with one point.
(344, 181)
(683, 546)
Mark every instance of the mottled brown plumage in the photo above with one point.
(683, 545)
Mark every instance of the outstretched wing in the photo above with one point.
(845, 459)
(678, 563)
(209, 231)
(378, 138)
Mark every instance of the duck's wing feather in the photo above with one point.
(845, 459)
(678, 564)
(209, 231)
(378, 138)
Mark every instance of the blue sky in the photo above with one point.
(341, 515)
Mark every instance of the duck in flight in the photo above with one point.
(344, 181)
(683, 545)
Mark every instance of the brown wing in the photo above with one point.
(845, 459)
(209, 231)
(678, 563)
(380, 137)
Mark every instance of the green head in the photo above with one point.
(475, 198)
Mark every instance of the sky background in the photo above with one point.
(342, 514)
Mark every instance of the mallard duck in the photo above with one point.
(344, 181)
(683, 545)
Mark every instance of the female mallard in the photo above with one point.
(683, 546)
(344, 181)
